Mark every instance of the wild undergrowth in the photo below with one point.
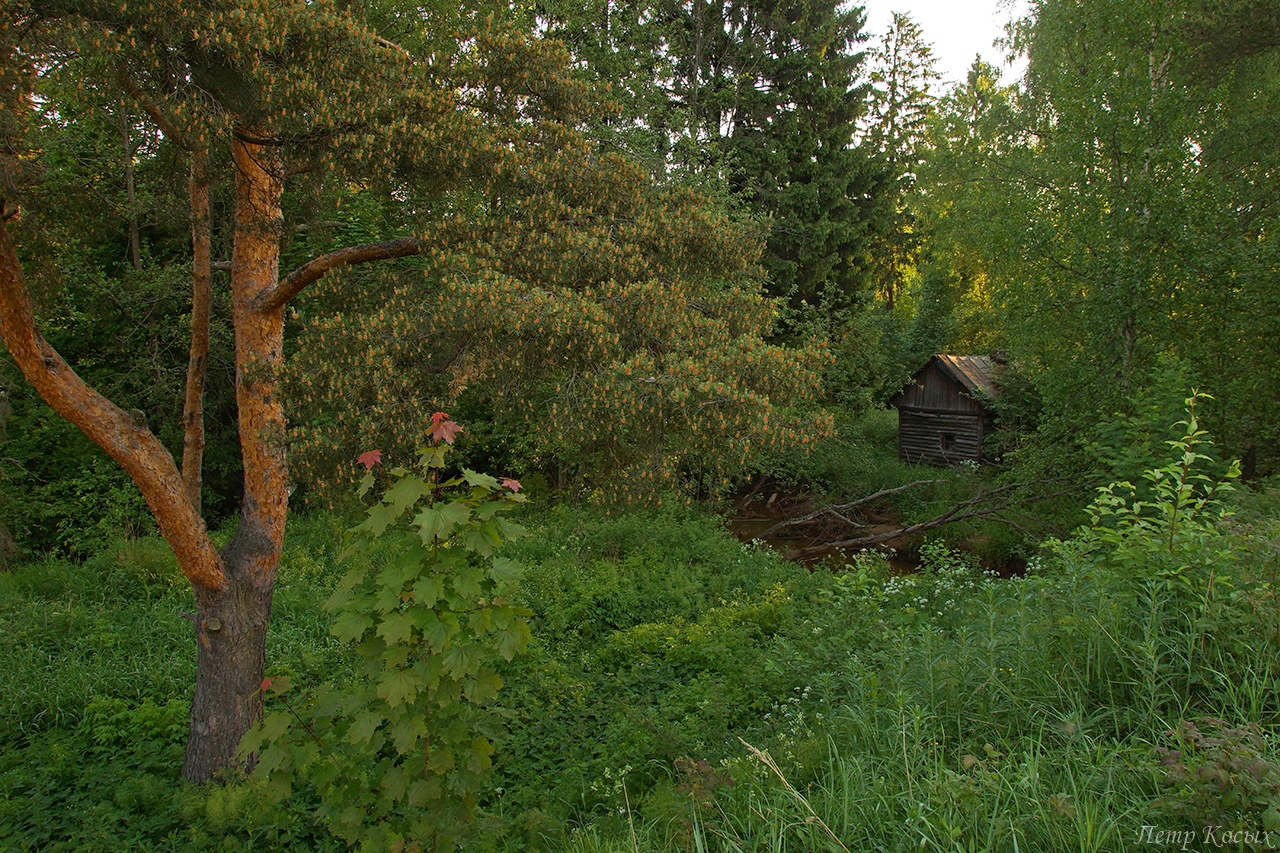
(682, 691)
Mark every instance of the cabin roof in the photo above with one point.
(976, 373)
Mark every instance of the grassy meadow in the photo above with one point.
(685, 691)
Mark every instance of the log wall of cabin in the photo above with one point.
(939, 438)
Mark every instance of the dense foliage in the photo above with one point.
(756, 99)
(398, 754)
(1108, 214)
(1123, 682)
(614, 329)
(641, 288)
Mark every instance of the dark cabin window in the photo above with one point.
(946, 441)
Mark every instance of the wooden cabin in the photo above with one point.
(942, 413)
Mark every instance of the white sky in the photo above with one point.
(957, 29)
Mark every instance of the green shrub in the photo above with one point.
(902, 711)
(110, 783)
(398, 754)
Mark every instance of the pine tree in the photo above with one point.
(902, 71)
(468, 123)
(798, 100)
(285, 89)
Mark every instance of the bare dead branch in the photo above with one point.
(390, 45)
(978, 506)
(839, 509)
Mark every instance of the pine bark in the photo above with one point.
(231, 635)
(147, 462)
(231, 624)
(233, 589)
(197, 362)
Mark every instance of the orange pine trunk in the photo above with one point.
(231, 624)
(147, 462)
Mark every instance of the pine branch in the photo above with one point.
(313, 270)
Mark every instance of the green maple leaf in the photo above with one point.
(407, 733)
(483, 687)
(435, 632)
(488, 509)
(478, 756)
(505, 571)
(274, 726)
(483, 538)
(432, 457)
(400, 571)
(350, 626)
(427, 591)
(480, 620)
(512, 641)
(462, 660)
(398, 687)
(396, 628)
(510, 529)
(437, 522)
(405, 493)
(396, 782)
(467, 582)
(387, 599)
(380, 517)
(483, 481)
(364, 725)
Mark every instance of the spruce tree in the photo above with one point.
(762, 99)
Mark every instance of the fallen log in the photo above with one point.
(986, 504)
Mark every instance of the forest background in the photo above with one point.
(646, 253)
(1103, 222)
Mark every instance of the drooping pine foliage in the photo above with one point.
(611, 323)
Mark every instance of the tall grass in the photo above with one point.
(1129, 680)
(949, 710)
(1028, 719)
(118, 625)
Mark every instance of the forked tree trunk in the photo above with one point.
(133, 447)
(231, 624)
(233, 589)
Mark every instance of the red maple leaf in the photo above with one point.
(508, 483)
(266, 684)
(370, 458)
(443, 429)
